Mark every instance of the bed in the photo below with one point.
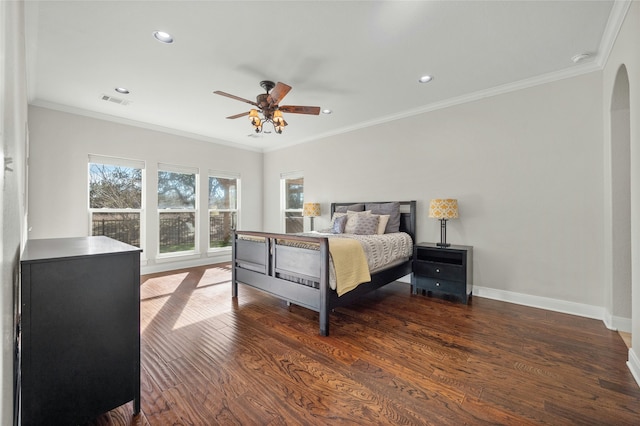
(297, 267)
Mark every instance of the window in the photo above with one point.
(292, 193)
(116, 198)
(177, 208)
(223, 208)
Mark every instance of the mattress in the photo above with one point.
(382, 251)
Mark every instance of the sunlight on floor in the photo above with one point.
(161, 286)
(215, 275)
(186, 297)
(149, 309)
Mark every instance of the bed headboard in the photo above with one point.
(407, 214)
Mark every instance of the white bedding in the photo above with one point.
(382, 251)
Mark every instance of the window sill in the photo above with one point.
(218, 250)
(172, 257)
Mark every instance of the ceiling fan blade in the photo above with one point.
(278, 92)
(300, 109)
(239, 115)
(218, 92)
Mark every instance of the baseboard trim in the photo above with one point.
(169, 265)
(620, 324)
(634, 365)
(579, 309)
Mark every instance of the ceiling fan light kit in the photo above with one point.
(267, 105)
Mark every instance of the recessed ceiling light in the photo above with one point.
(122, 90)
(163, 37)
(326, 111)
(580, 57)
(425, 79)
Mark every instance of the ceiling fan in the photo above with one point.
(267, 104)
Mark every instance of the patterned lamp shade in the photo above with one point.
(443, 208)
(311, 209)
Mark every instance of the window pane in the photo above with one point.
(293, 222)
(220, 226)
(222, 193)
(123, 227)
(177, 232)
(114, 187)
(176, 190)
(294, 192)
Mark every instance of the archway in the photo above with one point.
(621, 307)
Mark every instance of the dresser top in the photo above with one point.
(56, 248)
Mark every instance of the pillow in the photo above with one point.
(335, 216)
(382, 222)
(351, 221)
(393, 210)
(337, 227)
(351, 208)
(365, 224)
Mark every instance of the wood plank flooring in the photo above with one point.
(394, 358)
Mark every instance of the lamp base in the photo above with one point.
(443, 234)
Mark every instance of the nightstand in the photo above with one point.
(444, 270)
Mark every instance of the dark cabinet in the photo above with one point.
(79, 336)
(444, 270)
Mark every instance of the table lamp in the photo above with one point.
(443, 209)
(311, 210)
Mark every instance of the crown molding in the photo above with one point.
(611, 31)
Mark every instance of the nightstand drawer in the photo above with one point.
(445, 286)
(439, 270)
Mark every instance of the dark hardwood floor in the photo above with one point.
(394, 358)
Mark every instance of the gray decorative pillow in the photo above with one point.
(351, 208)
(383, 219)
(335, 216)
(393, 210)
(338, 224)
(351, 221)
(366, 224)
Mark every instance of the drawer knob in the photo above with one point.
(437, 269)
(437, 284)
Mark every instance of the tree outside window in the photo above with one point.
(115, 198)
(176, 209)
(223, 209)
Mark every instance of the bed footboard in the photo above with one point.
(259, 260)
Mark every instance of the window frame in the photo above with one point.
(173, 168)
(234, 223)
(284, 177)
(119, 162)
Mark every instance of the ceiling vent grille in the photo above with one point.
(115, 100)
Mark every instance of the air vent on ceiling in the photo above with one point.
(115, 100)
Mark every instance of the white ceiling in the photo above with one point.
(361, 59)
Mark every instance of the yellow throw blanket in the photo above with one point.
(350, 264)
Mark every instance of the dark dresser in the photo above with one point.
(79, 329)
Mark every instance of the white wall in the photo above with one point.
(13, 120)
(625, 52)
(526, 168)
(58, 175)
